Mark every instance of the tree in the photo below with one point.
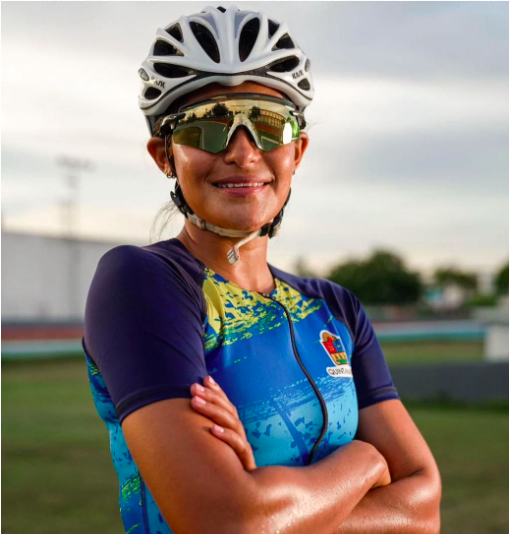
(254, 113)
(220, 110)
(444, 276)
(192, 118)
(381, 279)
(501, 281)
(301, 268)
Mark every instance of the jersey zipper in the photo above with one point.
(313, 384)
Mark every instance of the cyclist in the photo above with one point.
(294, 424)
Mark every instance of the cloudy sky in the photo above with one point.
(409, 135)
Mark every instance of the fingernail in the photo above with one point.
(211, 380)
(199, 400)
(199, 388)
(218, 428)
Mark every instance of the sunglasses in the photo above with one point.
(210, 124)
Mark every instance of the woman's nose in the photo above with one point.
(242, 149)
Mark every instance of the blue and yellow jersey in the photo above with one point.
(298, 363)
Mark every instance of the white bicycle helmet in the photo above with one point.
(227, 46)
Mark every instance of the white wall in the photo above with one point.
(47, 278)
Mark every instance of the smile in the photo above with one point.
(241, 189)
(252, 184)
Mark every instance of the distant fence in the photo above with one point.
(425, 330)
(32, 340)
(464, 382)
(35, 340)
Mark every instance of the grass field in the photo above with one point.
(58, 477)
(432, 351)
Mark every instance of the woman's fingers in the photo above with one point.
(241, 447)
(213, 397)
(211, 384)
(212, 402)
(217, 413)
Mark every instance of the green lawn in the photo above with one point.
(471, 448)
(58, 477)
(432, 351)
(57, 473)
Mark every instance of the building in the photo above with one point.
(46, 279)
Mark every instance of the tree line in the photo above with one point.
(383, 278)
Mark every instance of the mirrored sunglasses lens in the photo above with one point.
(207, 126)
(203, 134)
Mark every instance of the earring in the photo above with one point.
(170, 174)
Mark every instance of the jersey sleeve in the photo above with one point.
(369, 368)
(143, 328)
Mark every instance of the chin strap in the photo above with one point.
(271, 229)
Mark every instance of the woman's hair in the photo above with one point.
(163, 218)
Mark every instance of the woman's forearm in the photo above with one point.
(407, 506)
(315, 498)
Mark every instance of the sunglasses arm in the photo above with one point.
(169, 123)
(300, 116)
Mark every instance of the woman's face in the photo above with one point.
(235, 208)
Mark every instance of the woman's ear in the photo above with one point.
(156, 148)
(300, 148)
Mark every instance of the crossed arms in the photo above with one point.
(201, 486)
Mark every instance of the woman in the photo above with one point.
(283, 372)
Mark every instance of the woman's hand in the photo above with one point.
(385, 478)
(217, 407)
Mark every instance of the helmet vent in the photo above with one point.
(152, 93)
(272, 27)
(162, 48)
(206, 40)
(175, 32)
(248, 37)
(304, 84)
(222, 9)
(308, 64)
(172, 71)
(285, 65)
(284, 42)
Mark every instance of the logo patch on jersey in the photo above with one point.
(335, 349)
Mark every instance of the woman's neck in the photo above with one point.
(251, 272)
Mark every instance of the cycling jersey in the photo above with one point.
(298, 363)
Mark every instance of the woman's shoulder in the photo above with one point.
(168, 259)
(162, 271)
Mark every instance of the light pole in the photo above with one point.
(70, 218)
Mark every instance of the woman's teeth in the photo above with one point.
(254, 184)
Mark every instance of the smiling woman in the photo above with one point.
(294, 424)
(246, 142)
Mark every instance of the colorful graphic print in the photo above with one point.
(253, 358)
(251, 341)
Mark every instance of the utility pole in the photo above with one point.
(72, 167)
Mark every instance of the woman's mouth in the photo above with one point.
(240, 188)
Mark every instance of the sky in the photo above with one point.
(409, 130)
